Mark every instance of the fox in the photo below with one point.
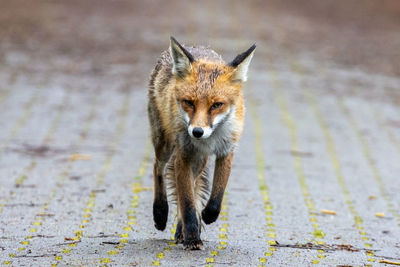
(196, 111)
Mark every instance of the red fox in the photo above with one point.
(196, 110)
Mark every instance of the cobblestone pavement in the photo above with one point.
(316, 176)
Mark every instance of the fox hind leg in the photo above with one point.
(163, 151)
(160, 204)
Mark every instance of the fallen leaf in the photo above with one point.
(389, 262)
(297, 153)
(372, 197)
(75, 157)
(380, 214)
(331, 212)
(393, 123)
(144, 188)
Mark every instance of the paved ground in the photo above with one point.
(315, 179)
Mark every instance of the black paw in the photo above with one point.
(179, 233)
(191, 235)
(210, 213)
(160, 214)
(193, 244)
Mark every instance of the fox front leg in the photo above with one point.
(223, 166)
(186, 204)
(179, 232)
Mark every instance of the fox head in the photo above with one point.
(208, 91)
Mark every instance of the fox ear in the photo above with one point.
(241, 64)
(181, 59)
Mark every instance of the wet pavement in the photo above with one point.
(315, 177)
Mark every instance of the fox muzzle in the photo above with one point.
(199, 132)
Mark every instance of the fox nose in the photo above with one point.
(197, 132)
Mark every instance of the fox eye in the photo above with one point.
(216, 105)
(189, 103)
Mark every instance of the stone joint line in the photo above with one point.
(136, 189)
(264, 189)
(392, 139)
(369, 159)
(27, 113)
(106, 166)
(36, 224)
(334, 159)
(298, 165)
(161, 255)
(222, 235)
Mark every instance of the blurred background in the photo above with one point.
(322, 132)
(101, 38)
